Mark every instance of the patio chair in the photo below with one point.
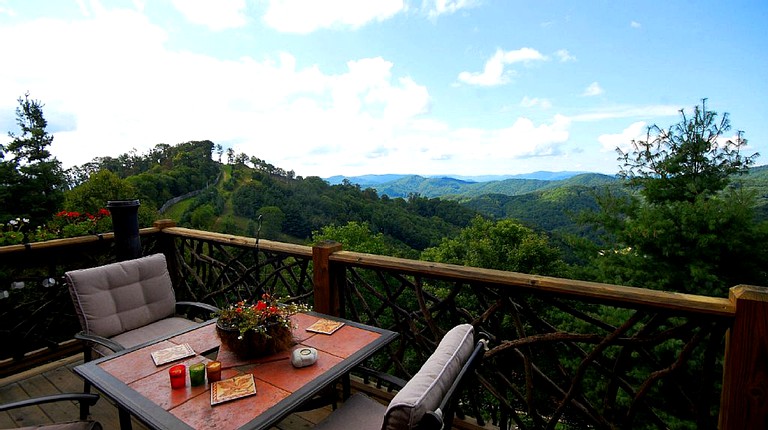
(124, 304)
(85, 400)
(428, 400)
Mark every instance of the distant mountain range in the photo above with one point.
(370, 180)
(547, 201)
(465, 187)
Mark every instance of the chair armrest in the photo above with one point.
(382, 379)
(86, 400)
(111, 344)
(199, 306)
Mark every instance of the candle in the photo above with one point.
(178, 376)
(197, 374)
(213, 369)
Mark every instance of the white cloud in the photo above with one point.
(494, 72)
(7, 11)
(431, 147)
(648, 111)
(83, 8)
(529, 102)
(218, 15)
(436, 8)
(306, 16)
(127, 90)
(592, 90)
(623, 140)
(635, 24)
(564, 56)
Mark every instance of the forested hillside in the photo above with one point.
(426, 211)
(292, 209)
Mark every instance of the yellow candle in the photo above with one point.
(214, 371)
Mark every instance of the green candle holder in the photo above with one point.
(197, 374)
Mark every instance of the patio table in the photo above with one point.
(141, 389)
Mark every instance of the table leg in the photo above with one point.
(125, 419)
(345, 387)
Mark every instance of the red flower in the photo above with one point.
(103, 212)
(260, 306)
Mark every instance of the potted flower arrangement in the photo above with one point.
(256, 329)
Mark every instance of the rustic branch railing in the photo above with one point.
(565, 352)
(218, 268)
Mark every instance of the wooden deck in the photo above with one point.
(58, 377)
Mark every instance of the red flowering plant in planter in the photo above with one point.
(73, 223)
(263, 327)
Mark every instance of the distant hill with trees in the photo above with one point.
(461, 189)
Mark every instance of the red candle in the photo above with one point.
(178, 376)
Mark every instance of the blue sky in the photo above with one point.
(350, 87)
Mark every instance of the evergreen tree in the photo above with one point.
(32, 182)
(691, 159)
(683, 228)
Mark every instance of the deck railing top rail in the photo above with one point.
(716, 306)
(229, 239)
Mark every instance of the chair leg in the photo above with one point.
(84, 410)
(125, 419)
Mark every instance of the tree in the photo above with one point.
(681, 227)
(691, 159)
(503, 245)
(273, 221)
(219, 151)
(32, 182)
(93, 194)
(355, 236)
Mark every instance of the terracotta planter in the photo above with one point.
(254, 344)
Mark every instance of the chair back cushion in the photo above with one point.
(426, 389)
(118, 297)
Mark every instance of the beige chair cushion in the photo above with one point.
(359, 412)
(149, 332)
(119, 297)
(426, 389)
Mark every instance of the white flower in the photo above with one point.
(13, 222)
(26, 220)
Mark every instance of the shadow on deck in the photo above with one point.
(58, 377)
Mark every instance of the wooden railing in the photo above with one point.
(564, 352)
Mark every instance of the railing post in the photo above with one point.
(744, 398)
(326, 279)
